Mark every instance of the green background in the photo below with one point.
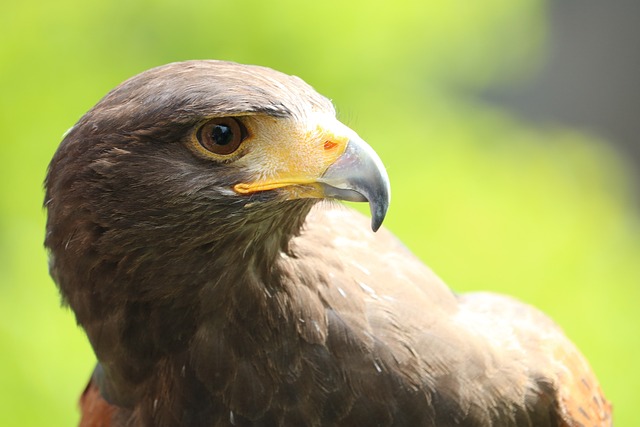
(489, 201)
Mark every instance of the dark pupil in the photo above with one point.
(222, 134)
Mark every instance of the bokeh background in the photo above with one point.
(499, 181)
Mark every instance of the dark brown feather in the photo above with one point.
(210, 309)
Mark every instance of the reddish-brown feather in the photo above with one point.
(95, 411)
(580, 396)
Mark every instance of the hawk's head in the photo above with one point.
(181, 173)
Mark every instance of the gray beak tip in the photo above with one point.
(377, 216)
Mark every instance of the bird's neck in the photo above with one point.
(215, 300)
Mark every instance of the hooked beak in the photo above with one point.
(358, 175)
(333, 162)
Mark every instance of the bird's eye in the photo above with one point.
(221, 135)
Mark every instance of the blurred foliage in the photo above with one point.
(487, 200)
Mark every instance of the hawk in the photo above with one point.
(193, 230)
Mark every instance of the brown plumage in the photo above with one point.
(186, 235)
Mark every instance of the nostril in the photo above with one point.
(328, 145)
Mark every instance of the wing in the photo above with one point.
(508, 323)
(478, 359)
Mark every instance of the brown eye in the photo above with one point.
(221, 135)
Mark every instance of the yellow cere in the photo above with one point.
(292, 152)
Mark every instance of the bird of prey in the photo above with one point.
(193, 229)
